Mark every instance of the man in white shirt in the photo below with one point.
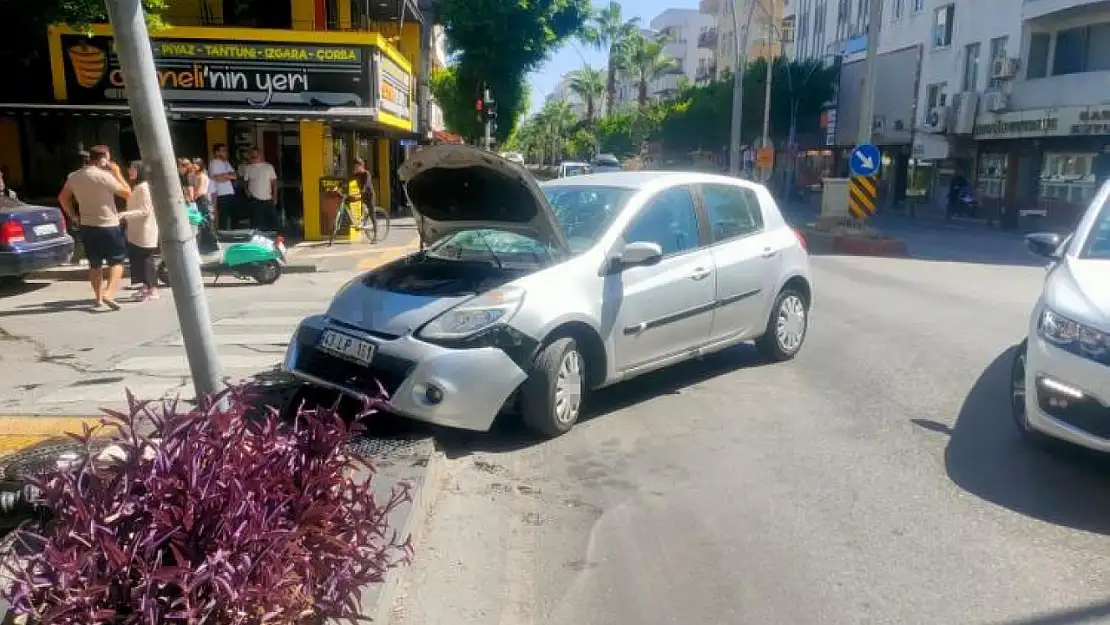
(222, 189)
(262, 183)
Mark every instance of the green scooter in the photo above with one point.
(245, 254)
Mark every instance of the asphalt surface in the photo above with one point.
(877, 478)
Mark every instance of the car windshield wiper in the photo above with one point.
(496, 258)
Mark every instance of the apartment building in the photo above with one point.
(762, 18)
(563, 93)
(682, 31)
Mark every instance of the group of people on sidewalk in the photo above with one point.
(91, 198)
(88, 199)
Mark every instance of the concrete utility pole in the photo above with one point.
(487, 98)
(771, 27)
(179, 247)
(867, 101)
(740, 49)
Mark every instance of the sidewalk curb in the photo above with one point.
(378, 602)
(81, 273)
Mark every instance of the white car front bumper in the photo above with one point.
(1067, 396)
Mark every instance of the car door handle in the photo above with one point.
(701, 273)
(769, 252)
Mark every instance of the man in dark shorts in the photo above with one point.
(95, 187)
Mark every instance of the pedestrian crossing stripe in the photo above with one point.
(862, 194)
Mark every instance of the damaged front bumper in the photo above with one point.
(458, 388)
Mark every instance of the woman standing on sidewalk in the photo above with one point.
(142, 234)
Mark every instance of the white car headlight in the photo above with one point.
(1073, 336)
(496, 306)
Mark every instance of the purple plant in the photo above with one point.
(208, 516)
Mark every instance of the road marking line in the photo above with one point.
(259, 321)
(177, 363)
(242, 339)
(115, 392)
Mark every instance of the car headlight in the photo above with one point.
(1073, 336)
(496, 306)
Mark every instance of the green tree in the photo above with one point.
(608, 30)
(589, 84)
(497, 43)
(25, 56)
(644, 60)
(701, 115)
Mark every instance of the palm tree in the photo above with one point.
(644, 61)
(607, 29)
(553, 123)
(589, 84)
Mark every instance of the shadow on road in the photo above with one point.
(508, 433)
(15, 288)
(1094, 613)
(987, 457)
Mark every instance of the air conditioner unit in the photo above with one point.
(967, 106)
(1003, 69)
(996, 101)
(937, 120)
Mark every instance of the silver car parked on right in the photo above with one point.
(534, 295)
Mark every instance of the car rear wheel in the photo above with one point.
(786, 327)
(551, 397)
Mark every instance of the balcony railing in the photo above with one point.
(709, 7)
(1036, 9)
(708, 39)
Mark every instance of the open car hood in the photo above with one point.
(462, 187)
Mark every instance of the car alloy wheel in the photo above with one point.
(568, 388)
(1017, 390)
(790, 324)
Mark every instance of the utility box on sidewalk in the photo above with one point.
(834, 197)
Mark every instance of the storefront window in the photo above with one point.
(338, 155)
(992, 175)
(1068, 177)
(921, 178)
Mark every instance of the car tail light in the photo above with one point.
(11, 232)
(801, 239)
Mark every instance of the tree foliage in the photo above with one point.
(498, 43)
(608, 30)
(24, 54)
(589, 85)
(643, 59)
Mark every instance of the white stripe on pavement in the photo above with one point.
(244, 363)
(242, 339)
(114, 392)
(290, 322)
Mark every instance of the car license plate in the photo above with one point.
(45, 229)
(347, 346)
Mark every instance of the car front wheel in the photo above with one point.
(551, 397)
(1018, 408)
(786, 328)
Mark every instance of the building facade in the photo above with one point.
(762, 18)
(682, 31)
(311, 83)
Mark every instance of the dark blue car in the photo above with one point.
(32, 238)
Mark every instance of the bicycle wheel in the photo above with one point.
(338, 224)
(377, 229)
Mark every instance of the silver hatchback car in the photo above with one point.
(533, 296)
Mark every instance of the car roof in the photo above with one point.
(643, 179)
(574, 164)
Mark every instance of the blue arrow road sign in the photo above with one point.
(865, 160)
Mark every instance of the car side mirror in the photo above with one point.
(1046, 244)
(638, 254)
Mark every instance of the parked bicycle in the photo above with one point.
(374, 224)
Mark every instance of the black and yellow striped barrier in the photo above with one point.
(862, 196)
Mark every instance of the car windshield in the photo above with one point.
(585, 212)
(501, 247)
(574, 170)
(1098, 241)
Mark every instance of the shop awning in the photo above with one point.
(345, 115)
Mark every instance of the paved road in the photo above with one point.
(59, 358)
(876, 479)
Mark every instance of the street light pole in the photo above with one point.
(179, 247)
(767, 92)
(867, 102)
(740, 53)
